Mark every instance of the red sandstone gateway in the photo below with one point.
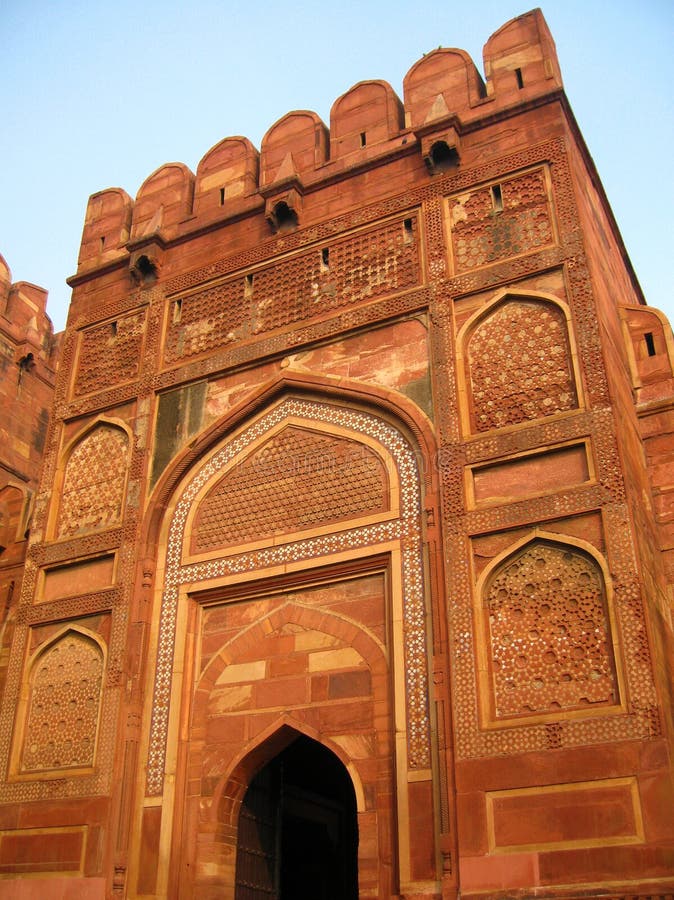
(349, 561)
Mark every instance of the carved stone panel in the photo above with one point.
(342, 273)
(109, 354)
(298, 479)
(63, 711)
(519, 364)
(550, 637)
(499, 221)
(94, 481)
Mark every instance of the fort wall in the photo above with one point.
(28, 362)
(360, 447)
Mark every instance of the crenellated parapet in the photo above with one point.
(444, 98)
(23, 315)
(29, 354)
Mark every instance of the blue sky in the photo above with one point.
(99, 95)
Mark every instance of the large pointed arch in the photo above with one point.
(395, 431)
(405, 529)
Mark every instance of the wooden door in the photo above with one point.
(258, 849)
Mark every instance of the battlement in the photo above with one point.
(23, 315)
(444, 97)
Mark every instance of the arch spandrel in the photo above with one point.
(290, 636)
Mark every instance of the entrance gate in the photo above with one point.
(298, 835)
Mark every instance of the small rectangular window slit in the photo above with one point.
(325, 259)
(408, 234)
(177, 310)
(650, 343)
(102, 243)
(520, 80)
(248, 285)
(113, 329)
(496, 198)
(222, 196)
(363, 138)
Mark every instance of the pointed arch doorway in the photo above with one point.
(298, 833)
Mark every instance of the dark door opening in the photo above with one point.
(298, 832)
